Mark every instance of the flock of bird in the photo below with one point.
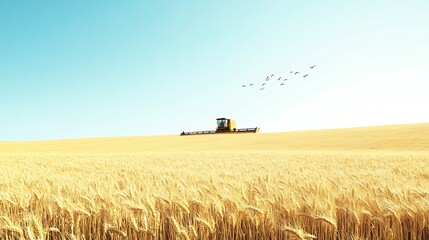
(269, 77)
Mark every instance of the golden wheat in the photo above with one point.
(239, 194)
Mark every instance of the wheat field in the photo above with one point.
(361, 183)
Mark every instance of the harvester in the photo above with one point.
(224, 125)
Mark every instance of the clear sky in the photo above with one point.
(72, 69)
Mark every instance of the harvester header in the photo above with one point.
(224, 125)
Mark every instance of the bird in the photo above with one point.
(313, 66)
(263, 84)
(267, 78)
(261, 88)
(296, 73)
(251, 84)
(285, 79)
(279, 78)
(243, 86)
(305, 75)
(291, 71)
(272, 75)
(282, 84)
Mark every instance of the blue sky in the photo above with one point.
(72, 69)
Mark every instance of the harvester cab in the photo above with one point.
(224, 125)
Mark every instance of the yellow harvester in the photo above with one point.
(224, 125)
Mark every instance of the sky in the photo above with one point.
(78, 69)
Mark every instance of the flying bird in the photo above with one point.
(291, 71)
(272, 75)
(305, 75)
(282, 84)
(285, 79)
(263, 84)
(261, 88)
(313, 66)
(251, 84)
(279, 78)
(296, 73)
(243, 86)
(267, 78)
